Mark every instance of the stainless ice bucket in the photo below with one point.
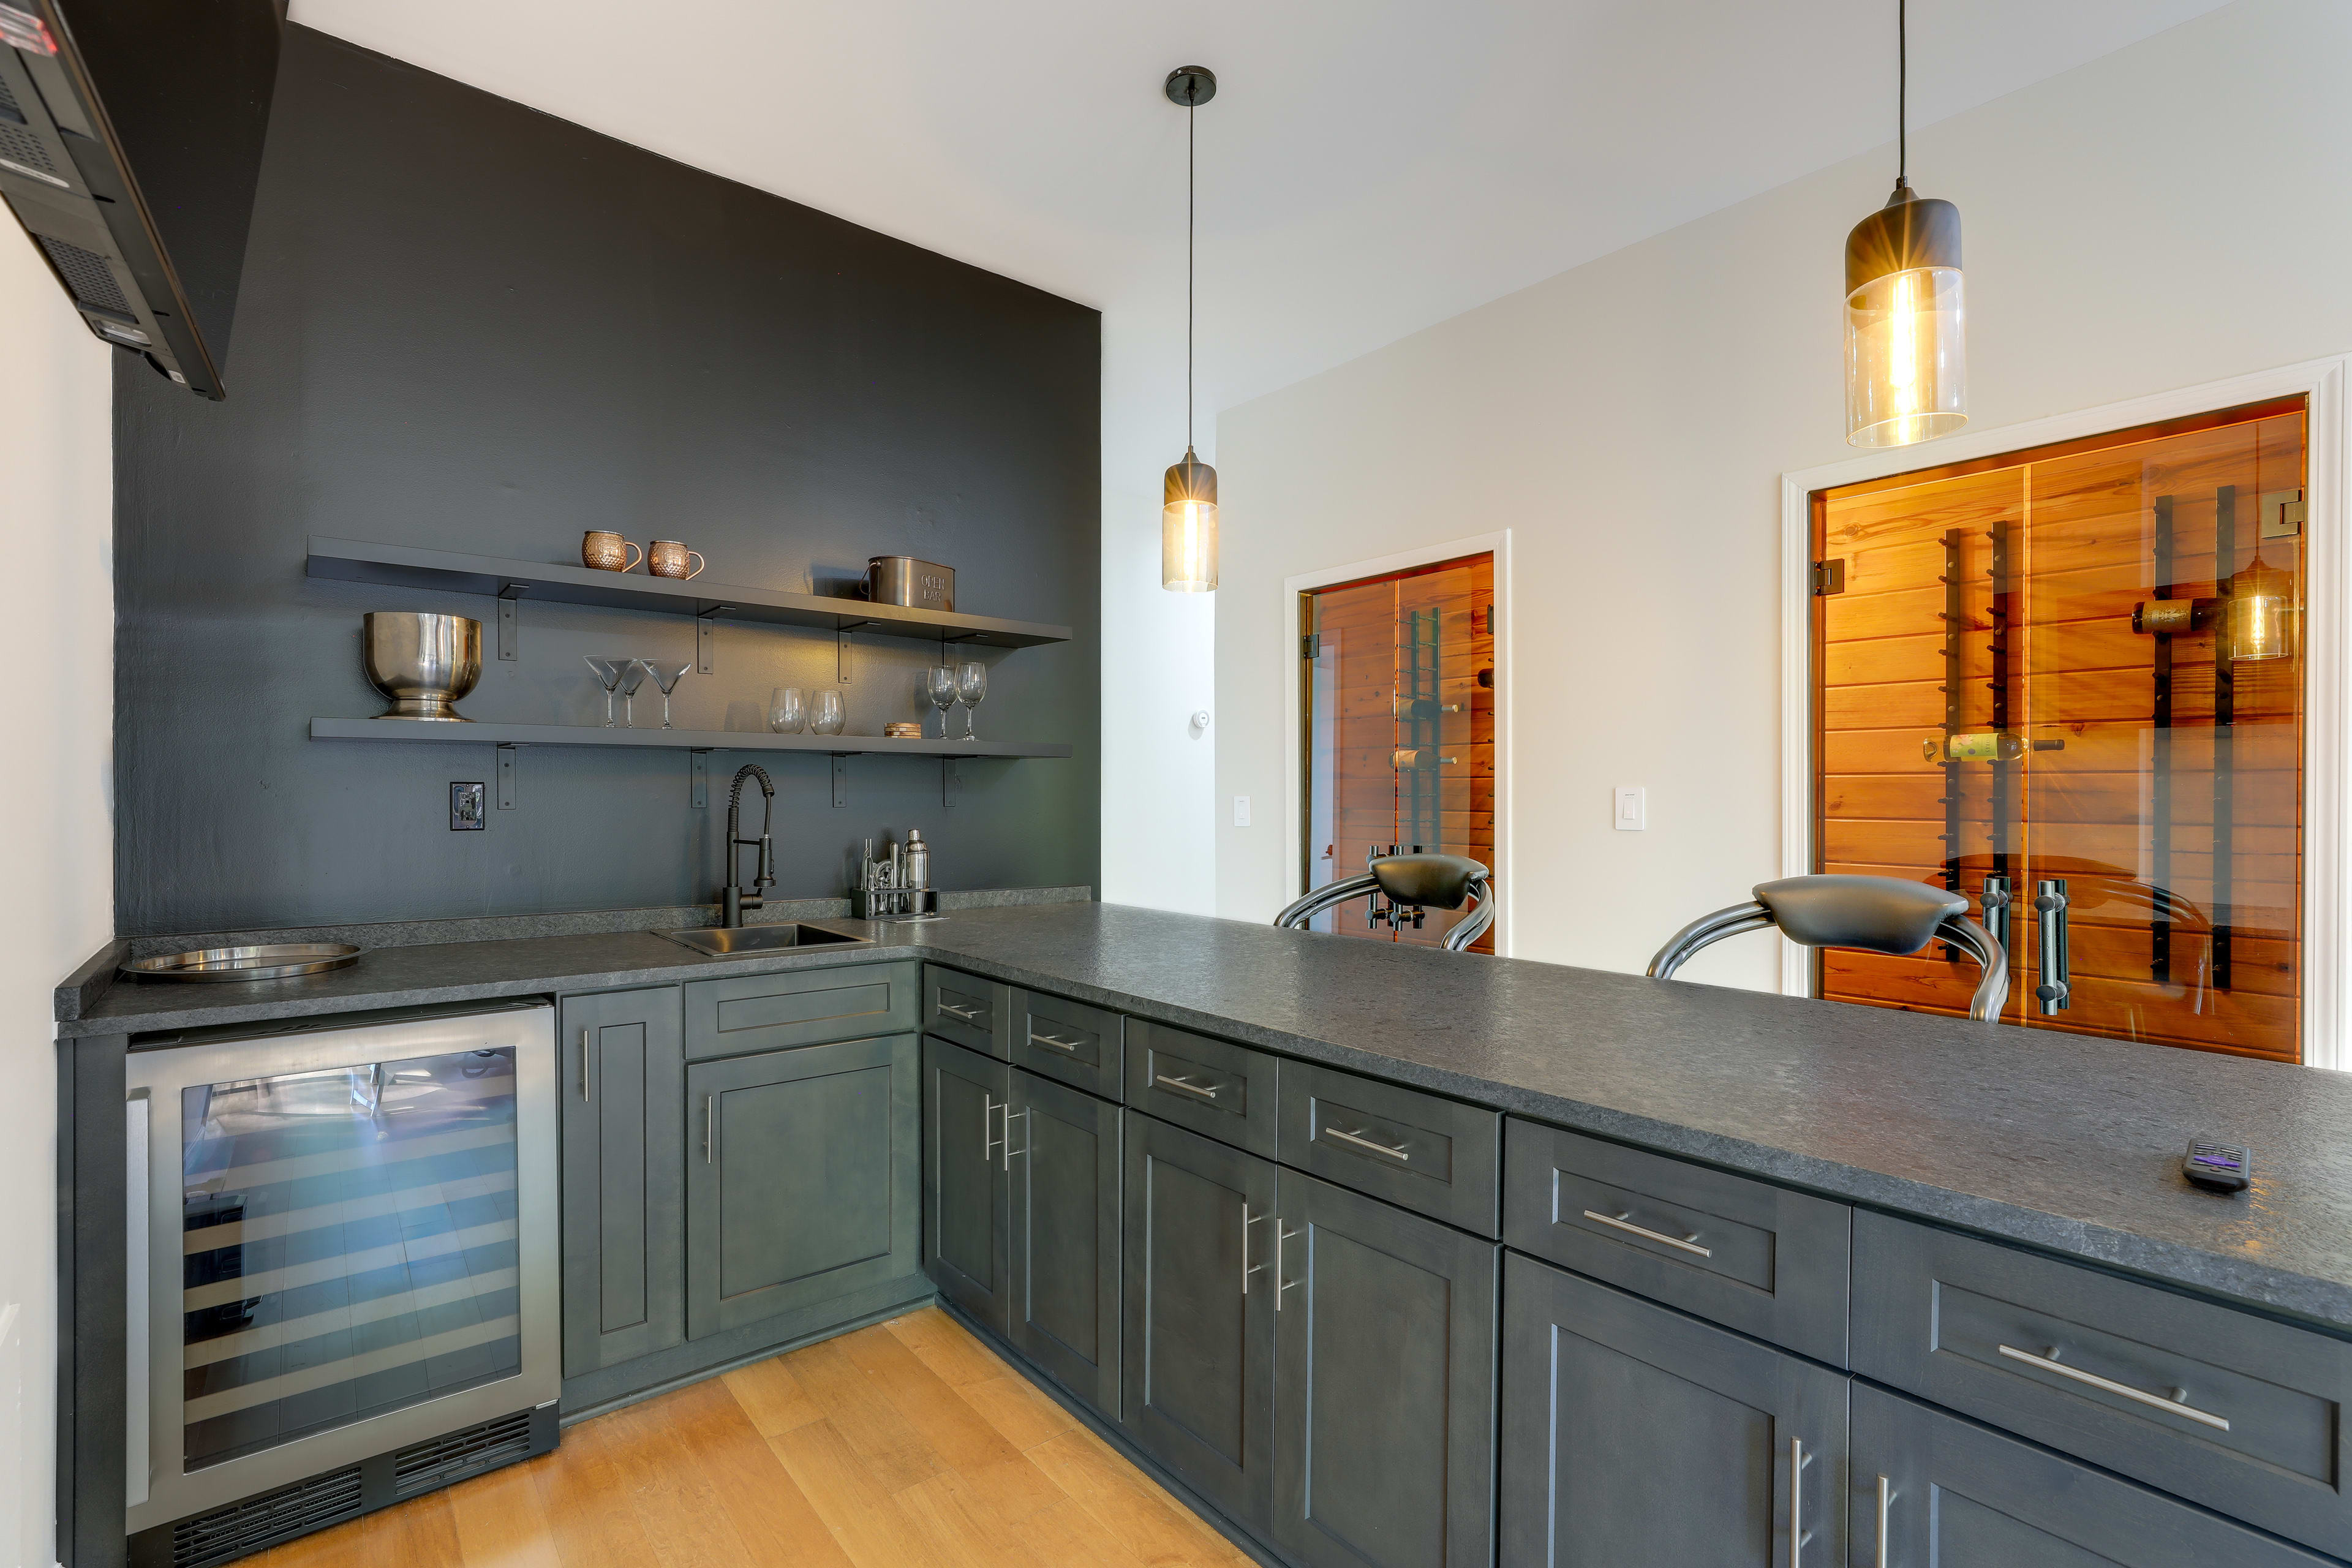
(903, 580)
(424, 663)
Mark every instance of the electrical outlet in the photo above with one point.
(1241, 811)
(1632, 814)
(466, 807)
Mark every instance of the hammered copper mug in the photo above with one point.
(607, 551)
(667, 558)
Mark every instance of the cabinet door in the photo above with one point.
(967, 1230)
(622, 1089)
(1633, 1434)
(1957, 1495)
(1384, 1385)
(1070, 1041)
(1065, 1200)
(801, 1178)
(1198, 1389)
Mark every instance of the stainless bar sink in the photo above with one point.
(719, 941)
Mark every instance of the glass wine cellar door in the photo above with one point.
(2069, 684)
(1398, 688)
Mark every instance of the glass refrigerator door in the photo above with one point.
(344, 1257)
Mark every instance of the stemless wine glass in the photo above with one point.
(971, 685)
(786, 711)
(666, 677)
(608, 670)
(633, 675)
(939, 686)
(825, 715)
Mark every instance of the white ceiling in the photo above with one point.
(1369, 167)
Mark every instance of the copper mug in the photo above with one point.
(667, 559)
(607, 551)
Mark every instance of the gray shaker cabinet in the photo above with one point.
(621, 1082)
(1384, 1385)
(1932, 1489)
(802, 1177)
(1198, 1391)
(1064, 1180)
(1633, 1434)
(967, 1219)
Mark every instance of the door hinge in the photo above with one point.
(1829, 577)
(1310, 645)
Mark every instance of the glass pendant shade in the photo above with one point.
(1906, 364)
(1188, 527)
(2263, 613)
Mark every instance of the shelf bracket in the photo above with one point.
(510, 621)
(700, 773)
(950, 781)
(507, 775)
(706, 636)
(840, 779)
(841, 636)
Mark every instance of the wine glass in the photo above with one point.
(786, 710)
(608, 670)
(825, 715)
(939, 686)
(971, 685)
(633, 675)
(666, 677)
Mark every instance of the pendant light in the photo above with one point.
(1907, 367)
(1188, 513)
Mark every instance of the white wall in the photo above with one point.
(57, 858)
(2173, 213)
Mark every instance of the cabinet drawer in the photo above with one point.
(799, 1007)
(1754, 1257)
(1067, 1040)
(1417, 1151)
(1213, 1087)
(2241, 1413)
(973, 1013)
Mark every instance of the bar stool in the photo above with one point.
(1416, 882)
(1877, 914)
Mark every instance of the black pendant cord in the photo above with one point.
(1189, 188)
(1902, 92)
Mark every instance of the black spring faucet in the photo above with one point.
(735, 899)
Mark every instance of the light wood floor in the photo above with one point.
(902, 1446)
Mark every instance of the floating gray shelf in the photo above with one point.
(355, 561)
(492, 735)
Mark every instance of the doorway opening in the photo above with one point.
(1397, 687)
(2069, 683)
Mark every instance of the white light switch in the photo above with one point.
(1632, 809)
(1241, 811)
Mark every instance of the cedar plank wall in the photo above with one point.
(2083, 523)
(1363, 619)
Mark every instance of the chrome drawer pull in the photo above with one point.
(1069, 1045)
(2180, 1406)
(1280, 1284)
(1625, 1223)
(585, 1087)
(1360, 1141)
(1248, 1269)
(1798, 1460)
(1885, 1506)
(1186, 1084)
(969, 1015)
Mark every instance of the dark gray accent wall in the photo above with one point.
(466, 325)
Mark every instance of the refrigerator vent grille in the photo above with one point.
(8, 110)
(19, 145)
(466, 1452)
(244, 1528)
(88, 276)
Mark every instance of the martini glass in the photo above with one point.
(633, 675)
(608, 670)
(666, 677)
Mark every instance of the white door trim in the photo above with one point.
(1294, 716)
(2327, 876)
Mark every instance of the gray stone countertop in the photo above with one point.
(2063, 1141)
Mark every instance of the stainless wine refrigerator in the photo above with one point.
(343, 1277)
